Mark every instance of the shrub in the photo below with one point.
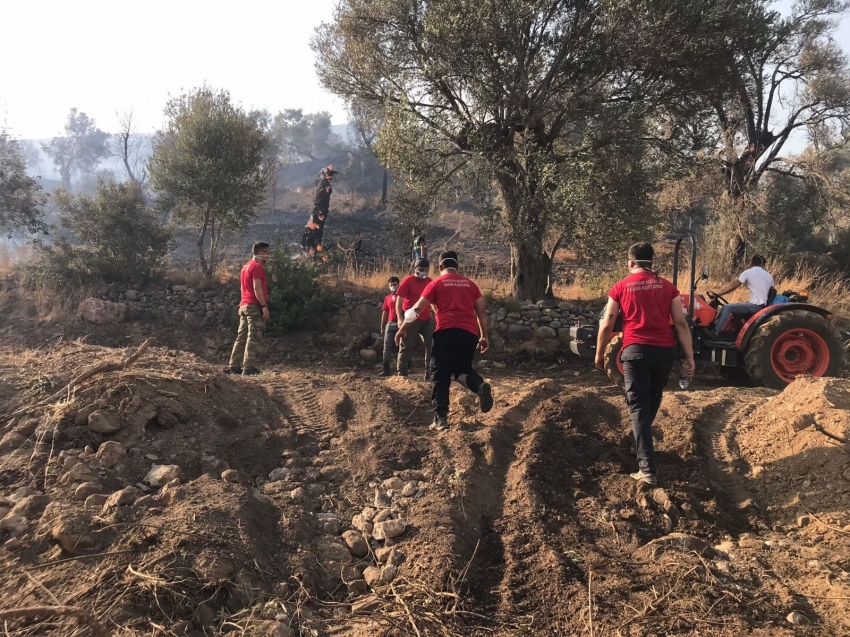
(296, 299)
(114, 236)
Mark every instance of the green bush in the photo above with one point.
(296, 299)
(114, 236)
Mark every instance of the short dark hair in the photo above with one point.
(449, 255)
(393, 279)
(259, 247)
(641, 252)
(757, 261)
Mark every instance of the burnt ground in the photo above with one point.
(522, 521)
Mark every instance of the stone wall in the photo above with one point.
(545, 319)
(174, 302)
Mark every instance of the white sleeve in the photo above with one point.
(743, 277)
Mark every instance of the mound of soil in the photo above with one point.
(167, 498)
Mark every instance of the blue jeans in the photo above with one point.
(732, 308)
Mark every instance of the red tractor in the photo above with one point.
(773, 346)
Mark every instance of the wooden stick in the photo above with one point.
(843, 441)
(100, 369)
(69, 611)
(590, 599)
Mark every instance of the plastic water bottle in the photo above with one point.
(684, 381)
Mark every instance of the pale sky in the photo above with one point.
(103, 56)
(109, 56)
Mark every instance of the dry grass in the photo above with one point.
(40, 303)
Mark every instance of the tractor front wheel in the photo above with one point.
(613, 364)
(793, 344)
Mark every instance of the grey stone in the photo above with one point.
(518, 332)
(356, 544)
(86, 489)
(546, 332)
(110, 453)
(162, 474)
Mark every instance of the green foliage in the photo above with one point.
(302, 137)
(79, 150)
(296, 298)
(209, 166)
(519, 89)
(115, 236)
(20, 197)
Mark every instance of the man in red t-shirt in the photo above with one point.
(253, 313)
(461, 329)
(422, 329)
(647, 303)
(389, 325)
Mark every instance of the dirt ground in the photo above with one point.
(519, 522)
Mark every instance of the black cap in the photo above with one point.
(448, 255)
(330, 173)
(421, 263)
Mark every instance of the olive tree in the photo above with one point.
(209, 165)
(525, 88)
(20, 195)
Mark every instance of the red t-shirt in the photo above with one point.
(410, 290)
(252, 271)
(645, 305)
(389, 307)
(453, 297)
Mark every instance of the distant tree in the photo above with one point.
(364, 121)
(79, 150)
(525, 89)
(20, 195)
(209, 165)
(132, 148)
(305, 137)
(115, 235)
(274, 156)
(791, 77)
(31, 154)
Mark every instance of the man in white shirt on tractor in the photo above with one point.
(758, 281)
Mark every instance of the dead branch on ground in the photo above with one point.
(67, 611)
(100, 369)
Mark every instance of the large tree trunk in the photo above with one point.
(530, 271)
(530, 265)
(65, 172)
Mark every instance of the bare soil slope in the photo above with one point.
(313, 502)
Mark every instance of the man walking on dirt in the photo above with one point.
(759, 282)
(461, 329)
(253, 313)
(389, 325)
(647, 303)
(422, 328)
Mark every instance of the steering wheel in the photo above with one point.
(717, 297)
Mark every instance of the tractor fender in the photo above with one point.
(762, 315)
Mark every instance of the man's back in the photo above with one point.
(644, 299)
(759, 282)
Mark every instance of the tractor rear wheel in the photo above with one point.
(613, 364)
(793, 344)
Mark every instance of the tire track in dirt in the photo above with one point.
(715, 428)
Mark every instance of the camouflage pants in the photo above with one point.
(248, 338)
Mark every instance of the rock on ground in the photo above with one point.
(356, 543)
(102, 312)
(110, 453)
(103, 422)
(389, 529)
(161, 474)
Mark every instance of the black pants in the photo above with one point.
(451, 358)
(646, 369)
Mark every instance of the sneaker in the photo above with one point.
(402, 372)
(251, 371)
(440, 424)
(385, 371)
(235, 371)
(485, 396)
(642, 477)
